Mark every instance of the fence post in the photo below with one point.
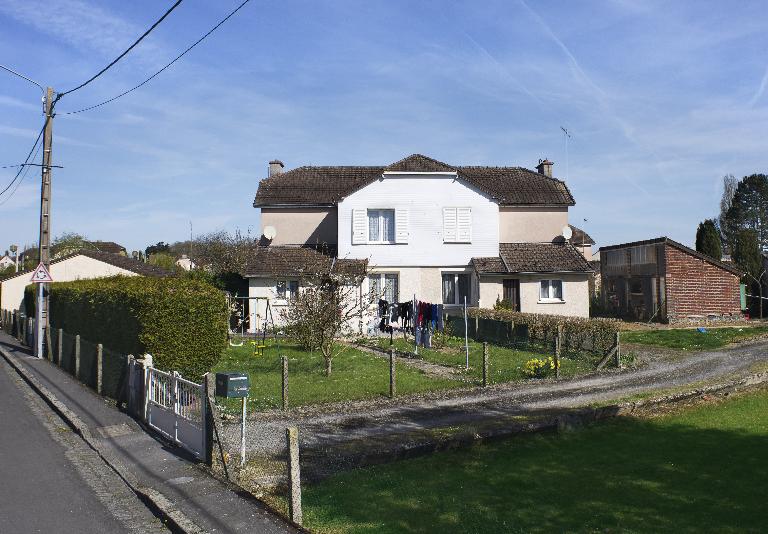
(60, 344)
(99, 368)
(294, 498)
(77, 356)
(284, 361)
(558, 348)
(48, 343)
(175, 378)
(392, 378)
(618, 351)
(485, 364)
(208, 419)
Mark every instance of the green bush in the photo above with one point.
(181, 322)
(579, 334)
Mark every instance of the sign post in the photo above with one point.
(40, 276)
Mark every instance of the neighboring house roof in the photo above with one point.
(326, 186)
(580, 237)
(123, 262)
(108, 246)
(271, 261)
(667, 241)
(533, 258)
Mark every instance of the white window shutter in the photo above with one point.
(401, 225)
(464, 225)
(449, 225)
(359, 227)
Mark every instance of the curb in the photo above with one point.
(155, 500)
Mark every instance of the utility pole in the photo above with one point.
(567, 135)
(44, 243)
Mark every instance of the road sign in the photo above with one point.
(41, 275)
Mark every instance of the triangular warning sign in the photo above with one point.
(41, 275)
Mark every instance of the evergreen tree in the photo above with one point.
(748, 211)
(747, 255)
(708, 239)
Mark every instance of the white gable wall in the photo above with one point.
(424, 197)
(75, 268)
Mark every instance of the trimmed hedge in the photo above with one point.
(181, 322)
(579, 334)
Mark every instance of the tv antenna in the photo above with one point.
(566, 136)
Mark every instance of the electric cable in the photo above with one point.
(121, 56)
(24, 165)
(222, 21)
(30, 80)
(26, 171)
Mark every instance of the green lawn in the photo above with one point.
(700, 470)
(356, 375)
(692, 339)
(504, 364)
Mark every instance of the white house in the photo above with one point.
(84, 264)
(6, 261)
(427, 229)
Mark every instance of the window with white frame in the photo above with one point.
(381, 226)
(457, 225)
(455, 288)
(551, 291)
(384, 286)
(287, 289)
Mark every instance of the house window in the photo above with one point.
(551, 290)
(381, 226)
(287, 289)
(384, 286)
(455, 288)
(457, 225)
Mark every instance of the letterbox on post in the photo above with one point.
(232, 385)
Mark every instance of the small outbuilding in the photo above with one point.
(663, 280)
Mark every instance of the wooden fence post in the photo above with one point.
(392, 378)
(558, 348)
(60, 344)
(77, 356)
(294, 498)
(618, 351)
(48, 343)
(485, 364)
(284, 361)
(99, 369)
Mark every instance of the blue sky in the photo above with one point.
(662, 98)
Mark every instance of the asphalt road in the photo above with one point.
(50, 480)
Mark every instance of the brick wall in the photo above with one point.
(696, 287)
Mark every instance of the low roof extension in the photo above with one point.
(533, 258)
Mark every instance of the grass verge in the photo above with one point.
(698, 469)
(690, 339)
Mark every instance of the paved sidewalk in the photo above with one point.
(198, 502)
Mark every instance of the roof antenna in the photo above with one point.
(566, 136)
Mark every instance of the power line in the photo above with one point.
(30, 80)
(26, 171)
(121, 56)
(222, 21)
(24, 165)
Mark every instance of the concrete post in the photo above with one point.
(48, 344)
(59, 344)
(284, 361)
(558, 348)
(485, 364)
(618, 351)
(77, 356)
(99, 369)
(294, 471)
(392, 378)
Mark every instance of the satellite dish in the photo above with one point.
(270, 232)
(567, 232)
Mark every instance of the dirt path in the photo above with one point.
(332, 432)
(431, 369)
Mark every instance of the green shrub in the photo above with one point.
(181, 322)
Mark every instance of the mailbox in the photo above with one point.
(232, 385)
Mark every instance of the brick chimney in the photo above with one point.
(275, 167)
(545, 167)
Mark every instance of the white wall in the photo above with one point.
(75, 268)
(575, 293)
(424, 196)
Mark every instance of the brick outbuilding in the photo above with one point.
(663, 280)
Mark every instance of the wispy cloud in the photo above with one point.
(760, 89)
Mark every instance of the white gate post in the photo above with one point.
(176, 406)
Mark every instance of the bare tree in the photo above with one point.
(222, 252)
(327, 305)
(730, 184)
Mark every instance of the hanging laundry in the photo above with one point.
(440, 320)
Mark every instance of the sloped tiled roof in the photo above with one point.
(293, 261)
(123, 262)
(533, 258)
(580, 237)
(108, 246)
(328, 185)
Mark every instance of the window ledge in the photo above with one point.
(551, 301)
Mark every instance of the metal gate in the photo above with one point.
(175, 407)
